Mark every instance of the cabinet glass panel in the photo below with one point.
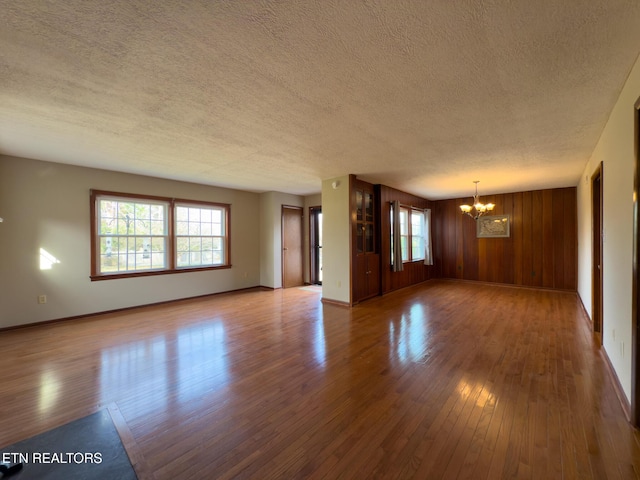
(368, 238)
(359, 205)
(368, 206)
(360, 238)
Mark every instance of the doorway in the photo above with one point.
(635, 292)
(315, 245)
(292, 275)
(596, 212)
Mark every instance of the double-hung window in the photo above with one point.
(200, 235)
(404, 233)
(417, 235)
(412, 234)
(143, 235)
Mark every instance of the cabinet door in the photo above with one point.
(373, 280)
(361, 278)
(366, 281)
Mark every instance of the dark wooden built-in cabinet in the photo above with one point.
(365, 235)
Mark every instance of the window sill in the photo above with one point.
(113, 276)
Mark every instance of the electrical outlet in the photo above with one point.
(42, 299)
(613, 334)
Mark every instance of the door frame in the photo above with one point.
(597, 252)
(314, 252)
(284, 247)
(635, 300)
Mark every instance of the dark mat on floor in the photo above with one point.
(87, 448)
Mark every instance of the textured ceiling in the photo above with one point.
(421, 95)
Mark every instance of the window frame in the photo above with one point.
(420, 213)
(171, 236)
(405, 238)
(407, 256)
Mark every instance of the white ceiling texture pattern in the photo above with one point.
(421, 95)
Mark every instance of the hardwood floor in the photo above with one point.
(441, 380)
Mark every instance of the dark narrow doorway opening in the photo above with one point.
(635, 292)
(315, 238)
(596, 210)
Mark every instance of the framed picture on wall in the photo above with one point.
(493, 226)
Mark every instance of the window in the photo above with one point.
(131, 234)
(200, 234)
(137, 235)
(417, 235)
(404, 233)
(412, 234)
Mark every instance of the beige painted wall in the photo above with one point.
(336, 251)
(616, 149)
(271, 235)
(46, 205)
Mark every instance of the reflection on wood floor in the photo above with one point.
(441, 380)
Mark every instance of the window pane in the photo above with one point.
(194, 215)
(126, 234)
(182, 244)
(417, 222)
(417, 248)
(195, 244)
(157, 212)
(158, 227)
(182, 259)
(158, 253)
(142, 227)
(404, 227)
(200, 240)
(417, 235)
(142, 211)
(194, 228)
(107, 208)
(106, 225)
(182, 228)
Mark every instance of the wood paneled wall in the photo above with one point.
(414, 272)
(541, 251)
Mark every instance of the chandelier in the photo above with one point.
(480, 208)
